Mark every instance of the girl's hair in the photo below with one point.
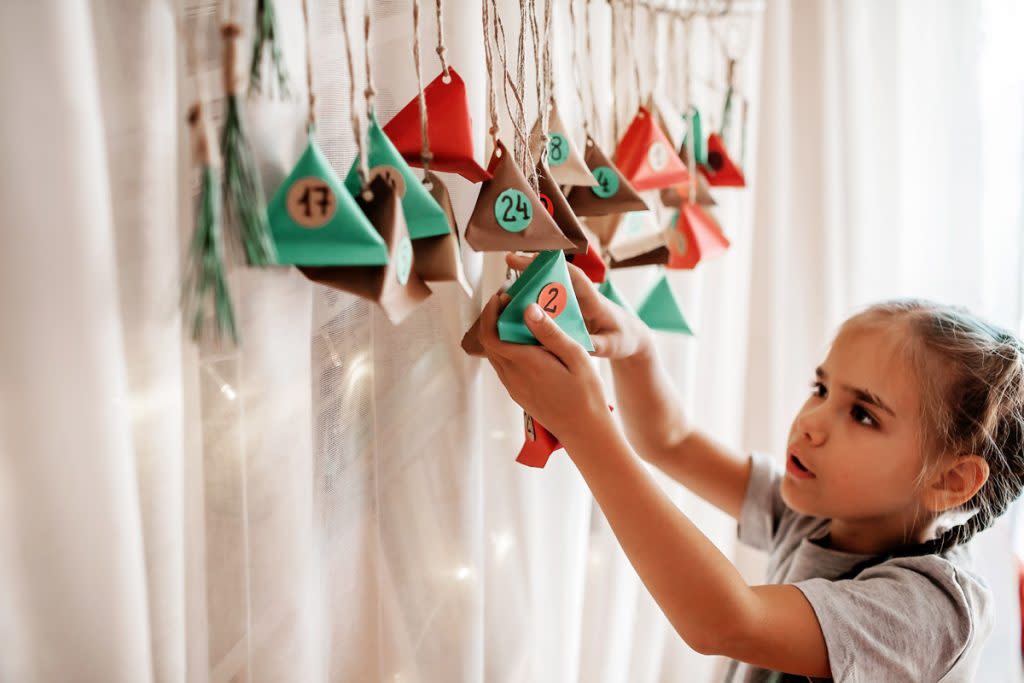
(972, 391)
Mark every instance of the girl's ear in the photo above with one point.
(955, 482)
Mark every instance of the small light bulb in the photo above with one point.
(228, 391)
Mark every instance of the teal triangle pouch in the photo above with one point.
(542, 259)
(315, 222)
(545, 282)
(608, 290)
(660, 311)
(423, 214)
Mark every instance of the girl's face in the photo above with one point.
(854, 448)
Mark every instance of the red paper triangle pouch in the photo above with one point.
(646, 156)
(538, 444)
(449, 129)
(694, 236)
(721, 170)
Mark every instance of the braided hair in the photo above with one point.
(972, 382)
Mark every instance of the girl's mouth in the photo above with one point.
(797, 469)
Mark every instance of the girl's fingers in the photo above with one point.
(552, 338)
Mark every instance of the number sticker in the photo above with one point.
(657, 155)
(552, 299)
(607, 182)
(391, 175)
(310, 202)
(549, 205)
(531, 431)
(679, 244)
(403, 261)
(513, 210)
(558, 149)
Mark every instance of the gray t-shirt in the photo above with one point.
(920, 619)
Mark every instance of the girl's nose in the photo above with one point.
(811, 425)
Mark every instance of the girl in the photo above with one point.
(911, 441)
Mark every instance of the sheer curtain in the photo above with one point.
(338, 500)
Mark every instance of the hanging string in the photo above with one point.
(655, 71)
(357, 123)
(596, 112)
(615, 79)
(311, 121)
(634, 53)
(369, 92)
(691, 141)
(492, 103)
(539, 66)
(441, 49)
(425, 155)
(548, 71)
(577, 74)
(519, 120)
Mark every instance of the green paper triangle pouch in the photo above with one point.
(315, 222)
(612, 294)
(660, 311)
(423, 214)
(700, 143)
(545, 282)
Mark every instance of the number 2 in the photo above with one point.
(550, 306)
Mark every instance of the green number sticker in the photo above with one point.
(403, 261)
(607, 182)
(513, 210)
(558, 149)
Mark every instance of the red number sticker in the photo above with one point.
(553, 298)
(549, 205)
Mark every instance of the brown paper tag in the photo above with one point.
(553, 199)
(508, 216)
(567, 164)
(612, 194)
(397, 287)
(439, 259)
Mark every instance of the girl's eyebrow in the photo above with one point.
(861, 394)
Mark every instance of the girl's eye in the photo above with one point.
(818, 389)
(861, 416)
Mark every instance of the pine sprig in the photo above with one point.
(204, 273)
(265, 34)
(243, 189)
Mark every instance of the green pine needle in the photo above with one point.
(266, 34)
(204, 273)
(245, 205)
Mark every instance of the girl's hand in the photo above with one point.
(616, 332)
(554, 382)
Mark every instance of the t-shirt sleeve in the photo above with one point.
(905, 620)
(763, 508)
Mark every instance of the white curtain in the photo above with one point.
(338, 500)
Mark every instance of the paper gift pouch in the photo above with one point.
(439, 259)
(721, 170)
(646, 157)
(508, 215)
(660, 311)
(315, 222)
(611, 293)
(423, 216)
(449, 129)
(544, 282)
(612, 194)
(591, 263)
(538, 444)
(396, 287)
(694, 236)
(558, 208)
(564, 158)
(674, 197)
